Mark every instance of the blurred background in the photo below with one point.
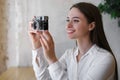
(15, 46)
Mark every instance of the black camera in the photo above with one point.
(40, 23)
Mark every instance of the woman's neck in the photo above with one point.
(84, 45)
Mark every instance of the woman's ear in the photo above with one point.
(91, 26)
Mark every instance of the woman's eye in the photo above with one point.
(76, 20)
(67, 20)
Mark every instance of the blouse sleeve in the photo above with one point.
(40, 65)
(58, 70)
(43, 71)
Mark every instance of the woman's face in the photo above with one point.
(77, 25)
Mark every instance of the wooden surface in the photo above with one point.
(21, 73)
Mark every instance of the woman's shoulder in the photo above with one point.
(103, 52)
(103, 55)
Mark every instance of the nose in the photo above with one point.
(69, 25)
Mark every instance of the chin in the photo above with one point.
(71, 37)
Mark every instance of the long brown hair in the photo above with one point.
(97, 35)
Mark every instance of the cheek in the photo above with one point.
(81, 29)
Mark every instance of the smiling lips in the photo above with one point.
(70, 31)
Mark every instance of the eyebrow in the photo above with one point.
(74, 17)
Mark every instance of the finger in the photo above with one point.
(47, 35)
(39, 32)
(33, 18)
(32, 31)
(43, 44)
(45, 41)
(31, 22)
(31, 25)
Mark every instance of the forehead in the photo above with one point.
(74, 12)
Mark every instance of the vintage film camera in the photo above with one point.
(40, 23)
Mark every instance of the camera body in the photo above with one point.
(40, 23)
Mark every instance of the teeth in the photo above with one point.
(70, 31)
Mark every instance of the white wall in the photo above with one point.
(21, 11)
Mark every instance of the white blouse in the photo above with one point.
(95, 64)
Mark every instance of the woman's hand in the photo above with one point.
(34, 36)
(48, 46)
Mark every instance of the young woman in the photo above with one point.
(92, 59)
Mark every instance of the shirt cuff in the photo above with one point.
(37, 52)
(55, 66)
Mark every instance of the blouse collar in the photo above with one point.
(90, 51)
